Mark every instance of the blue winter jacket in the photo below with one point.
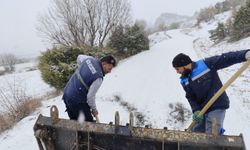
(76, 90)
(204, 82)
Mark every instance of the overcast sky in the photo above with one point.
(18, 19)
(151, 9)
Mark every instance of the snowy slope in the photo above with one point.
(27, 79)
(147, 84)
(148, 81)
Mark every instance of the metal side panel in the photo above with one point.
(62, 134)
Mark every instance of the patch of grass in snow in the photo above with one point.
(178, 113)
(141, 119)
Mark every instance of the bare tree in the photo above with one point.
(115, 12)
(82, 22)
(8, 61)
(63, 24)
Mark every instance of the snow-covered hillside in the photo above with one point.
(149, 85)
(26, 79)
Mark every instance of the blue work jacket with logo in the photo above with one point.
(77, 87)
(203, 82)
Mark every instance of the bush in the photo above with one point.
(58, 64)
(5, 122)
(129, 41)
(15, 104)
(206, 14)
(18, 111)
(174, 25)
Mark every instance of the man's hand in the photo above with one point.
(94, 113)
(198, 119)
(247, 55)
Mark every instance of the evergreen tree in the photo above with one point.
(117, 40)
(129, 40)
(136, 40)
(219, 33)
(241, 23)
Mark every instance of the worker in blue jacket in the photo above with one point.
(201, 81)
(79, 93)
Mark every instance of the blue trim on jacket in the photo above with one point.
(199, 70)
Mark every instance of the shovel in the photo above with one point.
(219, 92)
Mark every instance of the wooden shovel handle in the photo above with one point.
(97, 119)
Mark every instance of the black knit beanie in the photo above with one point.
(109, 59)
(181, 60)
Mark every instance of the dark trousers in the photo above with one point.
(206, 124)
(74, 110)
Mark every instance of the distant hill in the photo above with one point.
(169, 18)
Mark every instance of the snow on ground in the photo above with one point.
(24, 67)
(148, 80)
(148, 84)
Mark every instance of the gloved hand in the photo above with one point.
(198, 119)
(247, 55)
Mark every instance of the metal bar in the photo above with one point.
(130, 134)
